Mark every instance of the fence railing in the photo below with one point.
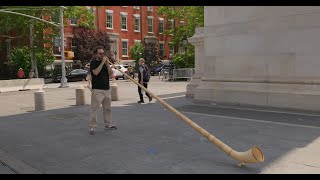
(182, 73)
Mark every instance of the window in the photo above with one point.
(93, 11)
(136, 23)
(73, 21)
(123, 20)
(124, 47)
(149, 8)
(55, 17)
(171, 22)
(161, 25)
(109, 14)
(56, 45)
(150, 24)
(161, 49)
(124, 6)
(73, 44)
(181, 23)
(171, 50)
(136, 7)
(137, 41)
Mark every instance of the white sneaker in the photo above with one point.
(92, 131)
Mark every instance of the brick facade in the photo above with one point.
(117, 33)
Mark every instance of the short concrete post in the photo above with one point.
(80, 96)
(39, 101)
(114, 92)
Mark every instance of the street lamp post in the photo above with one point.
(63, 78)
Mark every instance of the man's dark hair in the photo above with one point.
(95, 51)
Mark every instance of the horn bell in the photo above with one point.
(253, 155)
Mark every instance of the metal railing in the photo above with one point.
(182, 73)
(164, 74)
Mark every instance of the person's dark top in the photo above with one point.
(100, 81)
(146, 75)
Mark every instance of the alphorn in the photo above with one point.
(253, 155)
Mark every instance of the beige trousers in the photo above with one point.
(99, 97)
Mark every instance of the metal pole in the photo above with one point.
(63, 78)
(33, 55)
(31, 45)
(39, 19)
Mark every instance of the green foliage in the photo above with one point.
(194, 17)
(20, 25)
(182, 60)
(21, 58)
(135, 51)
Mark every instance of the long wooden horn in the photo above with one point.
(253, 155)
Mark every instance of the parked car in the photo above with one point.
(74, 75)
(118, 73)
(158, 69)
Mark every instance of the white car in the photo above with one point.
(118, 73)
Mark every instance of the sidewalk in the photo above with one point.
(150, 139)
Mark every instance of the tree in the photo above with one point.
(150, 55)
(136, 52)
(17, 27)
(194, 16)
(87, 39)
(11, 23)
(21, 58)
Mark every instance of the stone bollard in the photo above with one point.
(114, 92)
(80, 96)
(39, 102)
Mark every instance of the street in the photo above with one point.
(150, 139)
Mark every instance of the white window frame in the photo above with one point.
(171, 51)
(171, 21)
(161, 43)
(59, 38)
(136, 7)
(124, 6)
(109, 12)
(181, 22)
(137, 41)
(72, 45)
(161, 20)
(134, 22)
(127, 41)
(72, 24)
(124, 14)
(150, 17)
(94, 14)
(149, 8)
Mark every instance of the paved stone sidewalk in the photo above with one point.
(152, 140)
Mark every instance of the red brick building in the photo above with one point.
(126, 25)
(131, 24)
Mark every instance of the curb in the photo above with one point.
(16, 165)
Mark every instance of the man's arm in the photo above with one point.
(98, 69)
